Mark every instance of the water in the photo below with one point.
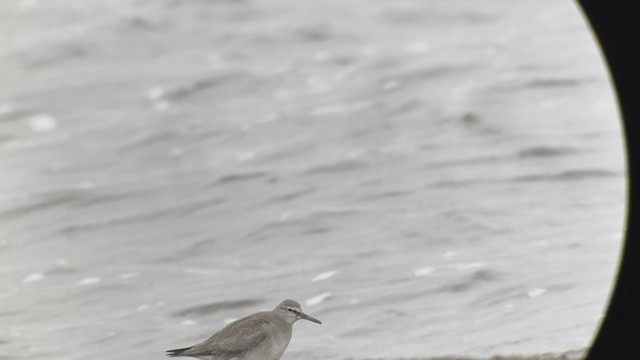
(426, 177)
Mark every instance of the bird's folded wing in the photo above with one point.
(236, 338)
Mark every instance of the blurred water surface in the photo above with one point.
(429, 177)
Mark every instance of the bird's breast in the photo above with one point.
(274, 347)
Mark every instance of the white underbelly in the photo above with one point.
(269, 350)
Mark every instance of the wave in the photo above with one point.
(212, 308)
(545, 151)
(568, 175)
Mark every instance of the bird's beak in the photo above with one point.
(307, 317)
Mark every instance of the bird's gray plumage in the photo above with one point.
(261, 336)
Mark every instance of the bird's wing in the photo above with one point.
(232, 340)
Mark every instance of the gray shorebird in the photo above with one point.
(261, 336)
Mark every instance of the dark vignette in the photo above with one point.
(617, 28)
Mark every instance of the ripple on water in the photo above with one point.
(239, 177)
(568, 175)
(340, 166)
(470, 281)
(545, 151)
(212, 308)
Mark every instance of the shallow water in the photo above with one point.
(427, 178)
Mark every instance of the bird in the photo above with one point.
(260, 336)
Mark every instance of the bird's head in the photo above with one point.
(291, 311)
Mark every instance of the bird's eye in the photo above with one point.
(289, 309)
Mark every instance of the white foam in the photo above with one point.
(86, 185)
(324, 276)
(245, 156)
(424, 271)
(509, 306)
(42, 123)
(468, 266)
(161, 105)
(286, 216)
(188, 322)
(327, 109)
(534, 293)
(128, 275)
(156, 92)
(417, 47)
(33, 278)
(89, 281)
(228, 321)
(449, 254)
(317, 299)
(199, 271)
(143, 307)
(354, 301)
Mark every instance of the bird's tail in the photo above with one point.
(177, 352)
